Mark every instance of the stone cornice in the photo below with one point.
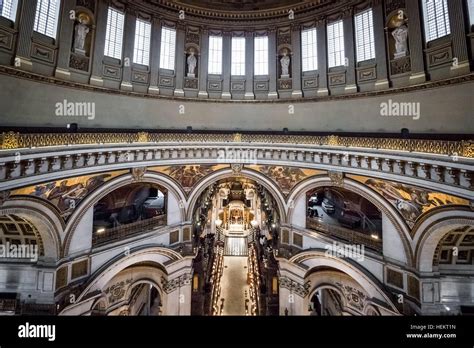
(234, 20)
(11, 71)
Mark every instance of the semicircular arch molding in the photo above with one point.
(266, 182)
(46, 220)
(106, 273)
(431, 231)
(112, 185)
(368, 282)
(403, 232)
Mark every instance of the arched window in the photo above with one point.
(436, 18)
(46, 18)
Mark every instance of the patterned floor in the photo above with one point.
(235, 246)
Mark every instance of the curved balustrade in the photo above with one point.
(444, 163)
(127, 231)
(351, 236)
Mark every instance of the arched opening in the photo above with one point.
(236, 225)
(326, 302)
(455, 252)
(19, 239)
(128, 210)
(345, 215)
(336, 293)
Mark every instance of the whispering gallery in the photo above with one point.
(236, 158)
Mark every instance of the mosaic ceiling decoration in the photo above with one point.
(68, 193)
(286, 178)
(410, 201)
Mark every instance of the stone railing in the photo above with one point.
(445, 165)
(126, 231)
(348, 235)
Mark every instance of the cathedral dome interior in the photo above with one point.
(237, 158)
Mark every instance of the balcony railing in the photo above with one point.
(345, 234)
(127, 231)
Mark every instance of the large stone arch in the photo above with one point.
(44, 217)
(371, 285)
(112, 185)
(102, 276)
(401, 228)
(98, 281)
(229, 173)
(432, 228)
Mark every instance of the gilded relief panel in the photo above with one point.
(68, 193)
(188, 176)
(410, 201)
(286, 178)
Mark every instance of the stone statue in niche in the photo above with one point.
(285, 65)
(400, 35)
(81, 31)
(192, 62)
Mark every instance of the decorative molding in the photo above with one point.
(299, 289)
(167, 81)
(337, 178)
(138, 173)
(171, 285)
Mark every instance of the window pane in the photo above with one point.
(238, 56)
(8, 9)
(365, 42)
(471, 11)
(141, 52)
(215, 55)
(436, 17)
(336, 52)
(261, 55)
(309, 48)
(46, 17)
(168, 48)
(114, 34)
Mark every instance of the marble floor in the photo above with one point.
(234, 287)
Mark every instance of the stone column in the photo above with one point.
(272, 64)
(322, 57)
(65, 40)
(128, 45)
(380, 51)
(296, 61)
(155, 56)
(203, 63)
(349, 47)
(99, 45)
(415, 38)
(25, 32)
(180, 55)
(249, 67)
(226, 62)
(458, 34)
